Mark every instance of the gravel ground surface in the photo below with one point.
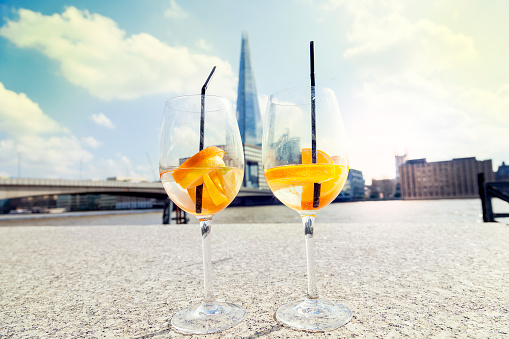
(400, 280)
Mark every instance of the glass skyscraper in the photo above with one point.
(248, 112)
(250, 124)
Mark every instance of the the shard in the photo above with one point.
(248, 112)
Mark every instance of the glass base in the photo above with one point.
(208, 318)
(314, 315)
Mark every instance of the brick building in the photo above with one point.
(443, 179)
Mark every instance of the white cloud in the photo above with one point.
(45, 148)
(175, 11)
(331, 5)
(91, 142)
(20, 115)
(392, 43)
(94, 53)
(494, 106)
(202, 44)
(409, 89)
(102, 120)
(118, 166)
(125, 160)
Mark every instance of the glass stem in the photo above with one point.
(208, 297)
(309, 221)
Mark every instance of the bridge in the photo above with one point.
(28, 187)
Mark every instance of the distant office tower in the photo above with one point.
(400, 160)
(503, 172)
(249, 120)
(356, 180)
(248, 112)
(383, 189)
(443, 179)
(354, 188)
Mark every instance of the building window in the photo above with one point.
(252, 174)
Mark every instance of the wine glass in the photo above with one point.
(201, 164)
(305, 164)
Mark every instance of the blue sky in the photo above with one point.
(83, 83)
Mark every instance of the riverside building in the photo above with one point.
(443, 179)
(503, 172)
(355, 184)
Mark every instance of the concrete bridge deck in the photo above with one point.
(27, 187)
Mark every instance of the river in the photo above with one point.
(396, 211)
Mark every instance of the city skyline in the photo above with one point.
(83, 83)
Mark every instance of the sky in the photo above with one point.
(83, 83)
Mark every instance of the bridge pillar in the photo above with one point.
(180, 215)
(168, 207)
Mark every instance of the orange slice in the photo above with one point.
(328, 191)
(214, 176)
(208, 205)
(206, 202)
(298, 175)
(324, 171)
(215, 194)
(208, 157)
(321, 157)
(195, 176)
(327, 188)
(228, 179)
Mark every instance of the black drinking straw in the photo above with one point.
(199, 188)
(317, 186)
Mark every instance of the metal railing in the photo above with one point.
(489, 190)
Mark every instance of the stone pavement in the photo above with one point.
(400, 280)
